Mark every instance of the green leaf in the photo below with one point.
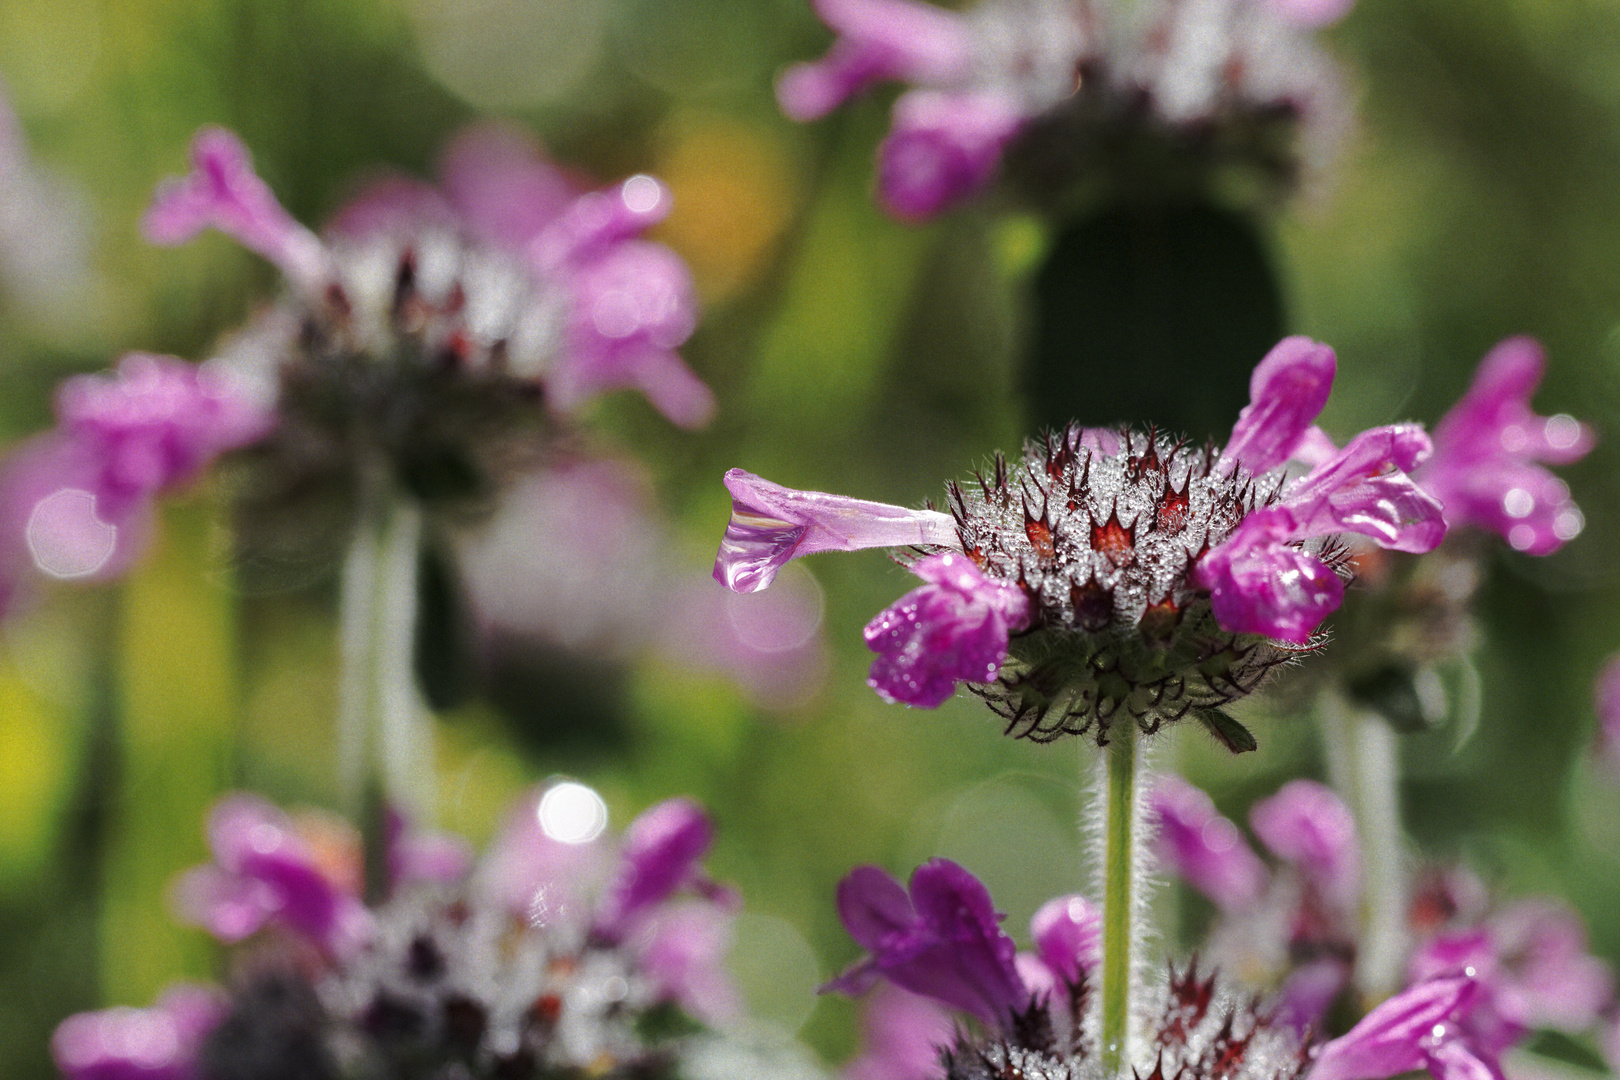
(1233, 735)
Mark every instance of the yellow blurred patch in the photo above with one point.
(33, 769)
(734, 194)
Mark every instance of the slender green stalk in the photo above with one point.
(1122, 885)
(385, 733)
(1364, 768)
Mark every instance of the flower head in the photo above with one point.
(1489, 451)
(436, 331)
(1055, 91)
(546, 958)
(1114, 573)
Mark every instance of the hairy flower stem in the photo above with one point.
(386, 744)
(1364, 767)
(1123, 889)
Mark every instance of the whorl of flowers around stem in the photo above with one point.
(1101, 530)
(565, 952)
(1116, 575)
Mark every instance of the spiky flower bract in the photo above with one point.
(1101, 530)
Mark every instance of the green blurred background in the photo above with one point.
(1480, 198)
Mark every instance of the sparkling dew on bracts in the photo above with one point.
(1101, 530)
(1116, 573)
(1198, 1031)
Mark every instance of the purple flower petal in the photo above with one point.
(1286, 393)
(1068, 936)
(659, 855)
(1399, 1035)
(953, 629)
(1203, 847)
(1308, 825)
(1259, 584)
(942, 941)
(594, 223)
(392, 205)
(223, 192)
(264, 872)
(159, 1043)
(1365, 489)
(501, 184)
(1308, 992)
(877, 40)
(414, 856)
(772, 525)
(943, 148)
(1489, 450)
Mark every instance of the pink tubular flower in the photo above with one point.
(942, 940)
(1059, 585)
(558, 288)
(658, 856)
(1203, 847)
(772, 525)
(1490, 448)
(223, 192)
(1260, 579)
(159, 1043)
(953, 629)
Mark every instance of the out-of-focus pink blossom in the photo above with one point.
(619, 305)
(78, 501)
(265, 872)
(159, 1043)
(901, 1036)
(1202, 846)
(1307, 824)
